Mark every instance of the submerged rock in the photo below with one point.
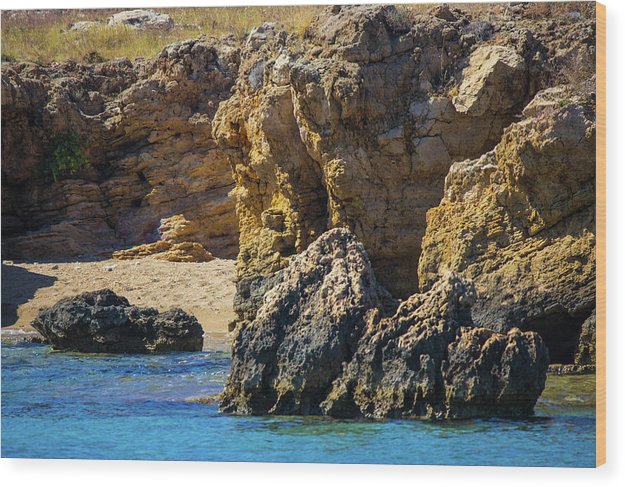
(323, 342)
(102, 322)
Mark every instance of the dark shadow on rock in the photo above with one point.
(18, 287)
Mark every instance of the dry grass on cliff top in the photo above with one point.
(43, 36)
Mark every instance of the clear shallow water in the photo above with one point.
(59, 405)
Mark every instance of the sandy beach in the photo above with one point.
(205, 290)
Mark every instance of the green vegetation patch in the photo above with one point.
(64, 155)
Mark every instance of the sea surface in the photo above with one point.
(64, 405)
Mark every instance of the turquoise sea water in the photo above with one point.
(60, 405)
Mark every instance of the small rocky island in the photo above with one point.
(103, 322)
(329, 340)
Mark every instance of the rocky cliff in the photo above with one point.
(358, 125)
(443, 141)
(145, 128)
(520, 222)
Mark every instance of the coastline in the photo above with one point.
(204, 290)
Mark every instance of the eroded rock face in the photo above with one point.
(429, 361)
(174, 245)
(586, 353)
(495, 80)
(286, 359)
(102, 322)
(520, 222)
(146, 127)
(323, 343)
(357, 127)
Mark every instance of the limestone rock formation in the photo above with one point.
(358, 125)
(429, 361)
(586, 353)
(321, 344)
(166, 250)
(173, 245)
(102, 322)
(520, 222)
(375, 118)
(495, 80)
(146, 130)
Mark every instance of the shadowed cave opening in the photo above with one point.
(560, 331)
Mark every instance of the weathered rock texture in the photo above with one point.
(520, 222)
(142, 20)
(320, 344)
(146, 127)
(358, 125)
(166, 250)
(174, 233)
(102, 322)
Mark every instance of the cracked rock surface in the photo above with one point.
(520, 222)
(327, 340)
(146, 129)
(358, 125)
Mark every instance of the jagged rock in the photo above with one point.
(286, 359)
(320, 345)
(428, 361)
(572, 369)
(102, 322)
(260, 35)
(174, 246)
(520, 222)
(444, 12)
(495, 80)
(356, 130)
(586, 354)
(141, 20)
(147, 132)
(354, 126)
(176, 229)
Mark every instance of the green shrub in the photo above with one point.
(64, 155)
